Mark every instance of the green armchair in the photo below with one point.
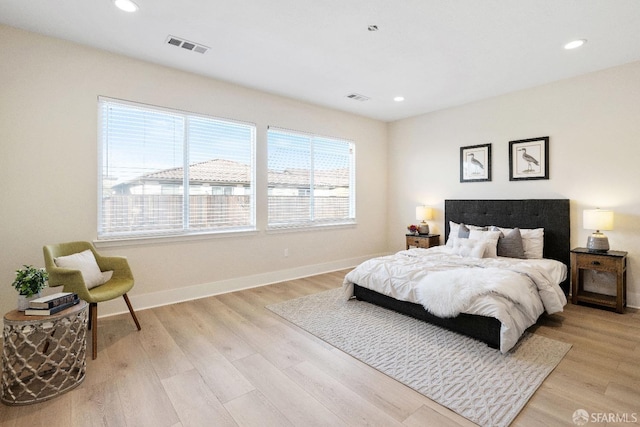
(120, 283)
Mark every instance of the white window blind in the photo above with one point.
(311, 179)
(166, 172)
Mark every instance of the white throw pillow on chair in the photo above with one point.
(88, 266)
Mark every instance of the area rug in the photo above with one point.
(461, 373)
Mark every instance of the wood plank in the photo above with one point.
(194, 401)
(164, 354)
(192, 318)
(272, 347)
(135, 379)
(37, 414)
(426, 416)
(353, 409)
(221, 376)
(625, 394)
(254, 410)
(398, 400)
(97, 405)
(216, 370)
(300, 408)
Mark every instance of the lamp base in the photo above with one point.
(423, 228)
(598, 242)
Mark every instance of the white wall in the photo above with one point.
(593, 122)
(48, 171)
(48, 165)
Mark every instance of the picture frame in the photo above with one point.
(475, 163)
(529, 159)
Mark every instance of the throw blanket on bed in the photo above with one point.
(449, 293)
(514, 291)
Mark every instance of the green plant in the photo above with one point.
(30, 280)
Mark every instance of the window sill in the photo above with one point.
(308, 228)
(161, 239)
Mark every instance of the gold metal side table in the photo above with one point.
(43, 356)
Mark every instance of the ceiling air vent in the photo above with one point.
(358, 97)
(185, 44)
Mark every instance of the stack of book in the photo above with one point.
(51, 304)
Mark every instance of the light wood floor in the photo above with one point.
(226, 361)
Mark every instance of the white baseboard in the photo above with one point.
(633, 299)
(187, 293)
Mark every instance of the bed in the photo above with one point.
(550, 214)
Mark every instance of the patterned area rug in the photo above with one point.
(465, 375)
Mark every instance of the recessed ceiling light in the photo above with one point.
(575, 44)
(126, 5)
(399, 98)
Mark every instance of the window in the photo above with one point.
(311, 180)
(167, 172)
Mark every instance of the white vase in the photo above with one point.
(23, 301)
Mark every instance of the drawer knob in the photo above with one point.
(595, 262)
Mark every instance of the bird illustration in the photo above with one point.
(529, 159)
(476, 164)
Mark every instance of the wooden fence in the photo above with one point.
(125, 213)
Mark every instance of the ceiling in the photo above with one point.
(435, 53)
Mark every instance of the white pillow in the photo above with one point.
(532, 241)
(468, 247)
(454, 229)
(86, 263)
(491, 240)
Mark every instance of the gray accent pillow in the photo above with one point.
(463, 232)
(510, 245)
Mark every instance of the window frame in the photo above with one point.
(314, 223)
(186, 231)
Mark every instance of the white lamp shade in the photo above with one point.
(424, 213)
(597, 219)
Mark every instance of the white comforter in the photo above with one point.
(514, 291)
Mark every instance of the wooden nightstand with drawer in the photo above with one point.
(612, 264)
(423, 240)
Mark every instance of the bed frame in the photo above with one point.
(550, 214)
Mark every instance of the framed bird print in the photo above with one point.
(475, 163)
(529, 159)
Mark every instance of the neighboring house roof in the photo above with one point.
(212, 171)
(227, 172)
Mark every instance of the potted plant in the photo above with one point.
(29, 282)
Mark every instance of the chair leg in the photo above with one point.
(133, 313)
(90, 316)
(93, 321)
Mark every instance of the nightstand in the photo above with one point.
(423, 240)
(612, 264)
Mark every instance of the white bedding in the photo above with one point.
(514, 291)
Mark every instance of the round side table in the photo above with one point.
(43, 356)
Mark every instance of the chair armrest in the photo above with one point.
(69, 278)
(118, 264)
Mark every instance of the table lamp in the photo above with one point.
(597, 219)
(423, 213)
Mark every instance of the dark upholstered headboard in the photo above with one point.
(550, 214)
